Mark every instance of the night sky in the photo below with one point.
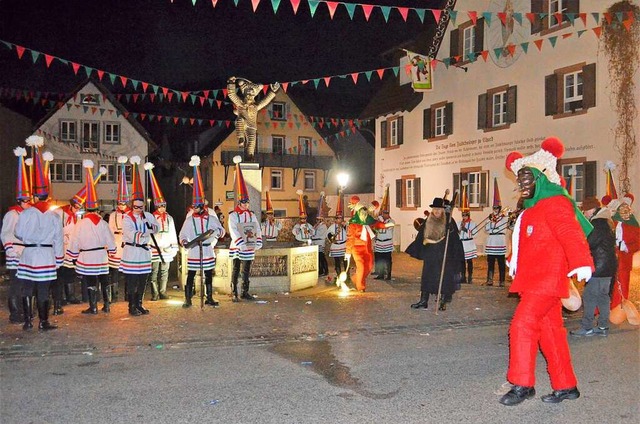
(187, 48)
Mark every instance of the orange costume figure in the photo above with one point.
(360, 235)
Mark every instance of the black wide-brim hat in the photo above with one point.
(438, 202)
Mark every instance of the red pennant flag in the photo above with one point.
(135, 97)
(175, 120)
(531, 17)
(503, 18)
(290, 124)
(228, 123)
(512, 49)
(184, 95)
(20, 51)
(436, 14)
(332, 5)
(285, 86)
(404, 12)
(125, 114)
(152, 96)
(558, 16)
(627, 24)
(202, 100)
(192, 120)
(48, 59)
(567, 35)
(219, 103)
(609, 17)
(274, 125)
(473, 16)
(165, 90)
(327, 80)
(484, 54)
(354, 77)
(597, 31)
(211, 122)
(631, 15)
(75, 67)
(206, 93)
(224, 93)
(142, 116)
(295, 4)
(214, 2)
(170, 96)
(160, 118)
(538, 44)
(123, 80)
(100, 74)
(264, 89)
(145, 85)
(583, 16)
(367, 8)
(255, 4)
(304, 81)
(380, 73)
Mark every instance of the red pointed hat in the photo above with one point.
(269, 205)
(497, 202)
(39, 183)
(123, 188)
(81, 196)
(339, 208)
(47, 158)
(544, 160)
(23, 190)
(91, 202)
(464, 198)
(384, 206)
(611, 193)
(137, 193)
(302, 211)
(198, 191)
(156, 193)
(242, 195)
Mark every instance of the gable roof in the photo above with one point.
(392, 98)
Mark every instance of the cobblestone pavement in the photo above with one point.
(310, 314)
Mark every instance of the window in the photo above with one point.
(309, 180)
(497, 108)
(556, 6)
(278, 111)
(279, 213)
(73, 172)
(90, 137)
(570, 90)
(90, 99)
(391, 132)
(277, 144)
(304, 146)
(111, 175)
(128, 168)
(552, 15)
(466, 42)
(477, 187)
(57, 171)
(276, 179)
(68, 131)
(112, 133)
(408, 192)
(580, 176)
(437, 121)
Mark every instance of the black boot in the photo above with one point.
(114, 292)
(388, 277)
(139, 306)
(234, 288)
(27, 305)
(133, 310)
(245, 291)
(57, 307)
(43, 315)
(470, 280)
(443, 305)
(489, 279)
(15, 316)
(106, 299)
(69, 293)
(424, 301)
(210, 300)
(188, 294)
(93, 302)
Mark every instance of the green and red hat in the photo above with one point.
(242, 195)
(123, 188)
(198, 193)
(23, 190)
(40, 186)
(91, 202)
(156, 193)
(137, 193)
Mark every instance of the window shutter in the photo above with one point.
(399, 193)
(536, 10)
(479, 41)
(400, 131)
(590, 178)
(482, 111)
(448, 118)
(512, 104)
(573, 6)
(550, 95)
(484, 188)
(457, 185)
(383, 134)
(426, 123)
(454, 46)
(416, 192)
(589, 86)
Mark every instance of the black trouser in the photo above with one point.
(15, 294)
(468, 266)
(39, 288)
(242, 268)
(323, 266)
(339, 263)
(491, 260)
(208, 279)
(136, 284)
(384, 263)
(94, 282)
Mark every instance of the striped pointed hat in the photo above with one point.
(464, 199)
(23, 190)
(302, 211)
(339, 207)
(81, 196)
(40, 186)
(569, 181)
(156, 193)
(242, 195)
(198, 193)
(123, 188)
(47, 158)
(268, 204)
(137, 193)
(384, 205)
(611, 196)
(91, 202)
(496, 194)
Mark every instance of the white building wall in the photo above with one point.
(584, 135)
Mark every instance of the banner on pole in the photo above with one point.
(421, 72)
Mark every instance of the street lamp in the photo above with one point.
(343, 180)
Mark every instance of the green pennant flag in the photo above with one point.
(193, 98)
(446, 61)
(161, 97)
(194, 2)
(69, 106)
(88, 71)
(210, 101)
(316, 82)
(553, 40)
(487, 17)
(220, 123)
(298, 124)
(282, 124)
(453, 14)
(128, 97)
(101, 111)
(9, 45)
(134, 83)
(497, 52)
(183, 120)
(386, 10)
(580, 32)
(200, 122)
(154, 88)
(351, 8)
(368, 75)
(571, 16)
(215, 93)
(112, 78)
(135, 115)
(396, 70)
(596, 17)
(34, 55)
(85, 109)
(517, 16)
(52, 103)
(118, 113)
(275, 4)
(267, 125)
(66, 62)
(524, 46)
(313, 5)
(420, 13)
(167, 119)
(235, 2)
(620, 16)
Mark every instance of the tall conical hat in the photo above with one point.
(322, 205)
(137, 193)
(242, 195)
(156, 193)
(81, 196)
(23, 190)
(198, 193)
(39, 183)
(90, 188)
(610, 199)
(384, 205)
(268, 204)
(123, 188)
(496, 193)
(47, 158)
(302, 211)
(339, 207)
(464, 198)
(569, 182)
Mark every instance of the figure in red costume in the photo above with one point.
(360, 235)
(550, 231)
(627, 243)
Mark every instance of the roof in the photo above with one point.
(392, 98)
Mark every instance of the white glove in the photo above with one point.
(347, 256)
(512, 269)
(581, 273)
(623, 247)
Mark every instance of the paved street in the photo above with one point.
(310, 356)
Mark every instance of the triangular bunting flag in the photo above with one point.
(351, 9)
(367, 8)
(34, 55)
(524, 46)
(332, 5)
(255, 4)
(404, 11)
(553, 40)
(327, 80)
(453, 16)
(597, 31)
(380, 72)
(295, 4)
(48, 59)
(487, 18)
(473, 16)
(354, 77)
(386, 10)
(19, 51)
(538, 44)
(75, 67)
(420, 13)
(436, 14)
(275, 4)
(313, 5)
